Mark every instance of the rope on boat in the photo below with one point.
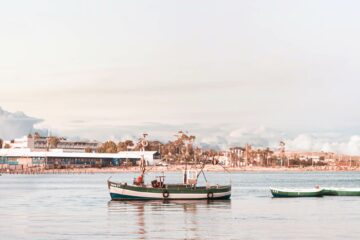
(147, 170)
(204, 175)
(227, 172)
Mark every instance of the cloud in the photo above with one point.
(207, 136)
(219, 137)
(214, 142)
(17, 124)
(312, 142)
(265, 137)
(258, 137)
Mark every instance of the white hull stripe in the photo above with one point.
(171, 195)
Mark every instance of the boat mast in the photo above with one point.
(143, 143)
(185, 141)
(183, 151)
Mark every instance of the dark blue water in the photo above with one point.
(79, 207)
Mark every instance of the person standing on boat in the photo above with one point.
(139, 180)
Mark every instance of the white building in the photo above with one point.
(41, 144)
(17, 143)
(58, 158)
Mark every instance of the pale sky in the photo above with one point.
(292, 66)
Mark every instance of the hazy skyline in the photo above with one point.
(237, 70)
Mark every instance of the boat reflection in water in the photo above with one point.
(165, 220)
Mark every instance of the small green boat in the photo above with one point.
(341, 191)
(284, 193)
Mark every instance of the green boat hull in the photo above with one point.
(341, 192)
(123, 191)
(277, 193)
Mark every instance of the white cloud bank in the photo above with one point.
(223, 137)
(309, 142)
(220, 137)
(327, 142)
(17, 124)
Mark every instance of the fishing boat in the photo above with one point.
(341, 191)
(158, 189)
(123, 191)
(315, 192)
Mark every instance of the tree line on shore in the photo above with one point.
(182, 150)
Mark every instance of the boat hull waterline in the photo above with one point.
(288, 193)
(315, 192)
(120, 192)
(341, 192)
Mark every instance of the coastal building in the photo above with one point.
(57, 158)
(40, 143)
(237, 156)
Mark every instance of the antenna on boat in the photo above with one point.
(227, 171)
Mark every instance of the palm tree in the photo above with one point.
(121, 146)
(107, 147)
(267, 155)
(37, 135)
(53, 142)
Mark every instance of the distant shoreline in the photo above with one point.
(179, 168)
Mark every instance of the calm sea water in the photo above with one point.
(79, 207)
